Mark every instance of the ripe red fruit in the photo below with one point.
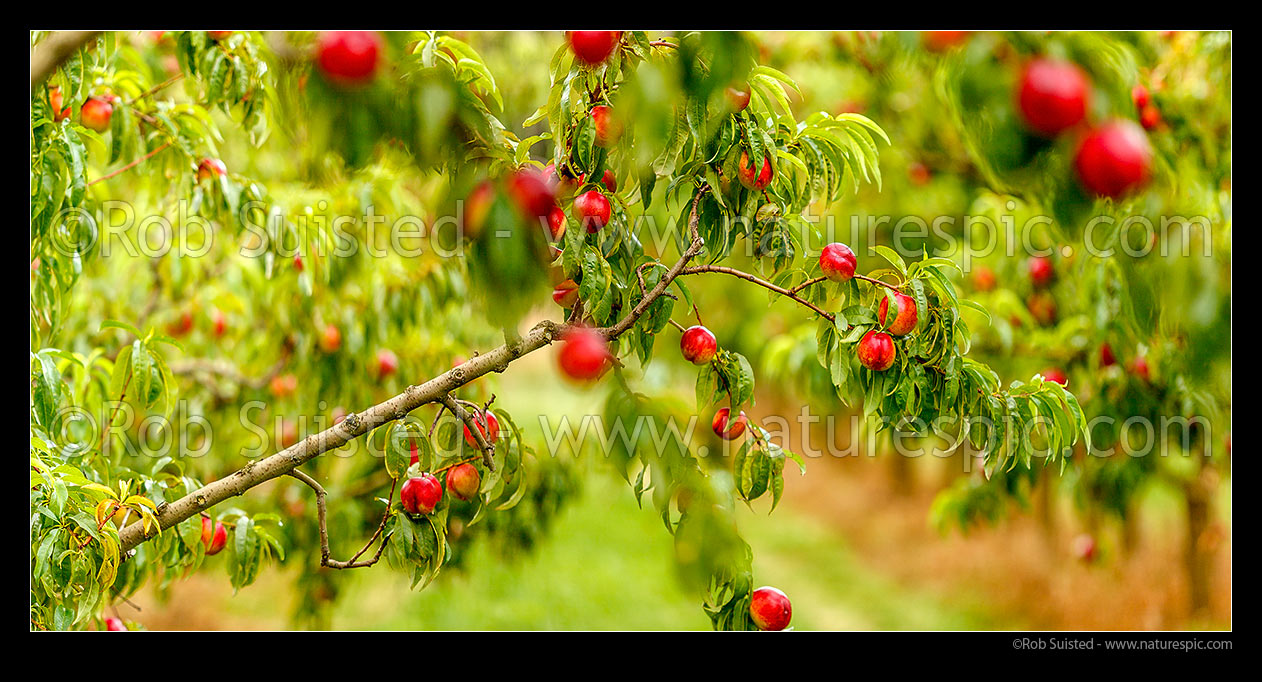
(550, 174)
(560, 184)
(220, 323)
(55, 101)
(1139, 367)
(1053, 96)
(421, 494)
(218, 35)
(592, 209)
(464, 481)
(608, 127)
(1106, 356)
(837, 262)
(904, 320)
(918, 173)
(211, 168)
(556, 222)
(584, 354)
(566, 294)
(610, 182)
(725, 429)
(876, 351)
(594, 47)
(1139, 94)
(983, 278)
(115, 625)
(1114, 159)
(330, 338)
(95, 114)
(349, 58)
(1041, 270)
(1054, 374)
(283, 385)
(770, 609)
(937, 41)
(532, 194)
(698, 345)
(214, 536)
(1042, 306)
(490, 431)
(298, 262)
(738, 99)
(476, 207)
(1150, 117)
(746, 174)
(181, 326)
(387, 362)
(1084, 548)
(288, 433)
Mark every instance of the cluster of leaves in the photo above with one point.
(156, 140)
(86, 485)
(419, 543)
(437, 100)
(173, 138)
(703, 141)
(1160, 303)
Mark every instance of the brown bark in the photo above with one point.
(52, 51)
(398, 407)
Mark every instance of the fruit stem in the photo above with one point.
(155, 88)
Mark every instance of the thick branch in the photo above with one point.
(355, 425)
(54, 50)
(435, 390)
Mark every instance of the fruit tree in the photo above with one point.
(334, 242)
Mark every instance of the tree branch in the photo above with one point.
(322, 516)
(133, 164)
(354, 425)
(54, 50)
(227, 370)
(760, 282)
(675, 270)
(475, 430)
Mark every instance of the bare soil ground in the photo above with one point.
(1024, 572)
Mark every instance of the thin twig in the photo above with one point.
(155, 88)
(760, 282)
(133, 164)
(806, 284)
(326, 558)
(488, 450)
